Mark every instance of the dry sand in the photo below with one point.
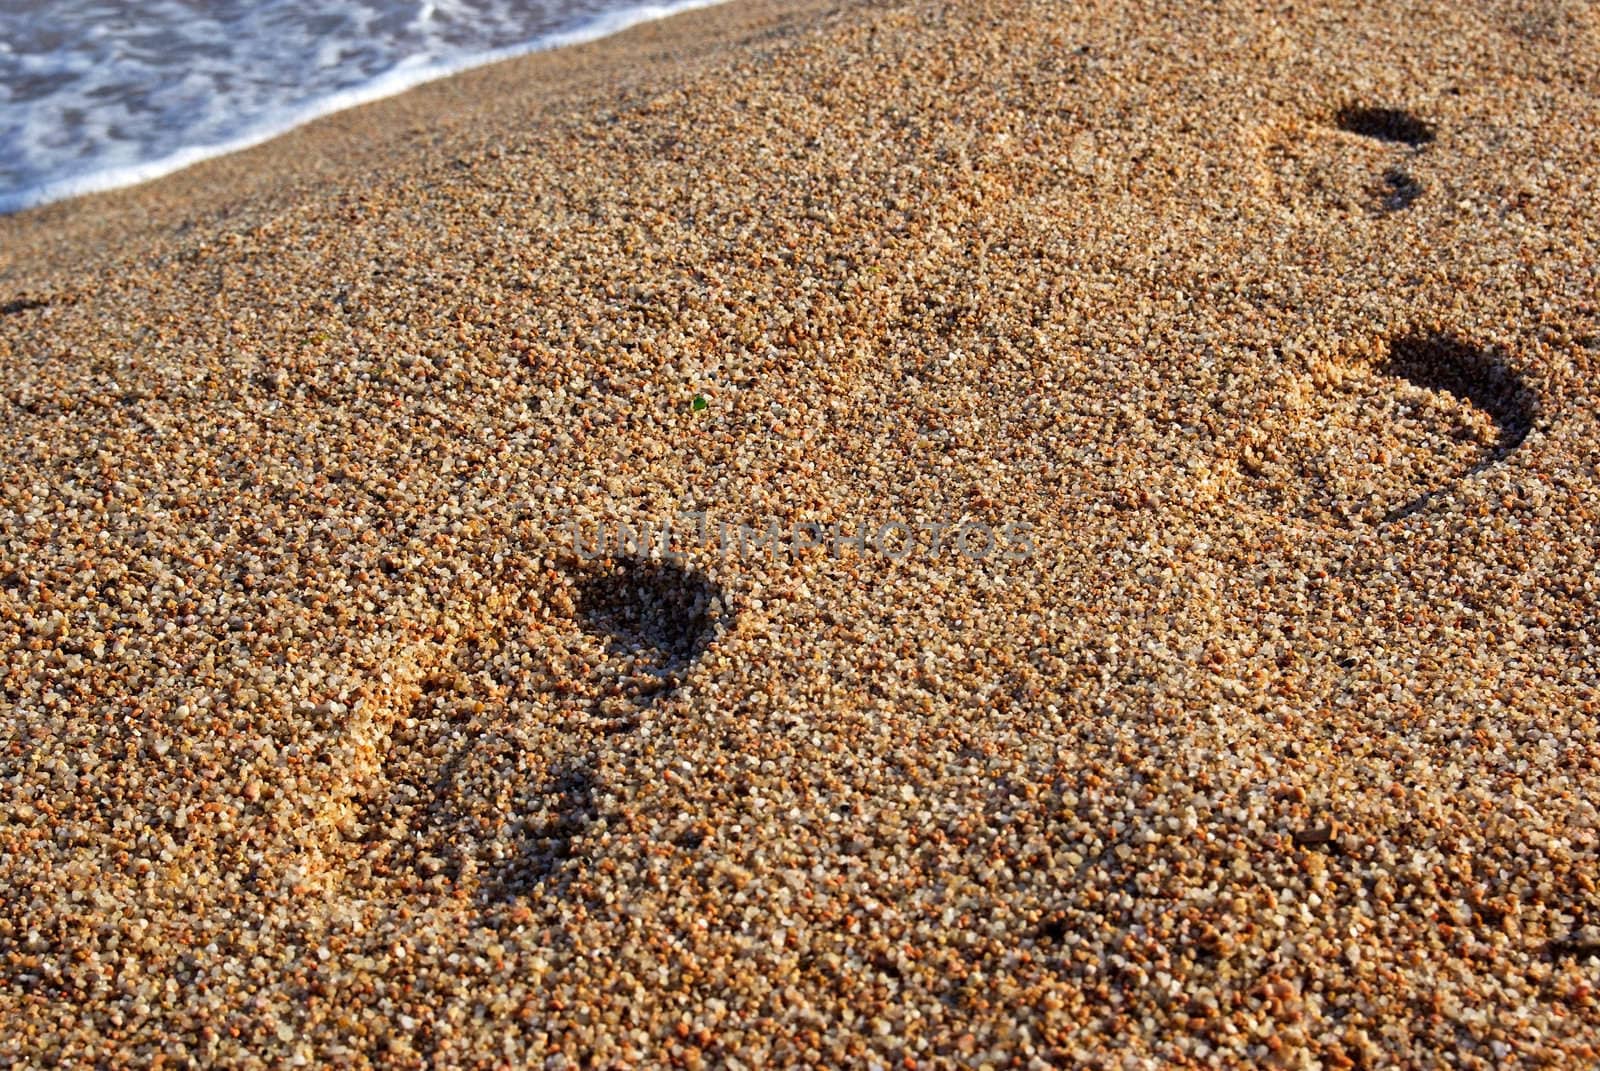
(324, 746)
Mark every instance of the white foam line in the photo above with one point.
(403, 76)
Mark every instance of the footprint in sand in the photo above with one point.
(477, 775)
(1358, 160)
(1376, 439)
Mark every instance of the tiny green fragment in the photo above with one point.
(699, 403)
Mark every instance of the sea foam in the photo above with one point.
(97, 96)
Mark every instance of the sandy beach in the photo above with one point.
(827, 534)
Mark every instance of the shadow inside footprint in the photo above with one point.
(654, 614)
(11, 308)
(1399, 190)
(1480, 378)
(1384, 124)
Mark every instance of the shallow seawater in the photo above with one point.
(102, 93)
